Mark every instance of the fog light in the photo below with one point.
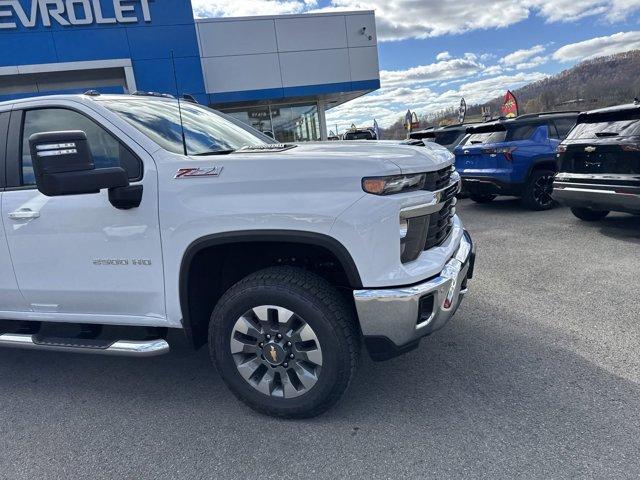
(404, 227)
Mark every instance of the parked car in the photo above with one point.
(513, 157)
(140, 223)
(360, 134)
(600, 163)
(449, 136)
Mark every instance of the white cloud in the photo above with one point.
(524, 59)
(443, 56)
(244, 8)
(572, 10)
(598, 47)
(433, 72)
(492, 70)
(520, 56)
(532, 63)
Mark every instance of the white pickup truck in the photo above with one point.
(128, 220)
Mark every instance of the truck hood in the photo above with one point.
(388, 157)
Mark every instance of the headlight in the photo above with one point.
(393, 184)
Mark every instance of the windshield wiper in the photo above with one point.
(212, 152)
(606, 134)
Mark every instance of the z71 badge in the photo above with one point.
(198, 172)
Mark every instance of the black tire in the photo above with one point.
(482, 198)
(321, 307)
(589, 215)
(537, 192)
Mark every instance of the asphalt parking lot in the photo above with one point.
(537, 376)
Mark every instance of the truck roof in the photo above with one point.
(90, 95)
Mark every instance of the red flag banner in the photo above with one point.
(509, 107)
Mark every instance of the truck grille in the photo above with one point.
(431, 230)
(438, 180)
(441, 222)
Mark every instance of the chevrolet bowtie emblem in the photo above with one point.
(590, 149)
(273, 353)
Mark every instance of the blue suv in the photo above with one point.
(513, 157)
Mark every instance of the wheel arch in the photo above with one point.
(246, 238)
(542, 163)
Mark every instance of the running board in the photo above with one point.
(127, 348)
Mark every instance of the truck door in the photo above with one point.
(10, 298)
(77, 257)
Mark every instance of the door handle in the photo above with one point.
(23, 214)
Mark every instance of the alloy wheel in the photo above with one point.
(542, 190)
(276, 351)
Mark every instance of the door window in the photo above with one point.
(106, 150)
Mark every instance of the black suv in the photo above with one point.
(600, 163)
(449, 136)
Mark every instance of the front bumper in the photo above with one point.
(393, 320)
(619, 193)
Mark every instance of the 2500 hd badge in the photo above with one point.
(122, 261)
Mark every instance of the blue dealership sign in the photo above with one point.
(35, 32)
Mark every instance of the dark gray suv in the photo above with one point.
(599, 163)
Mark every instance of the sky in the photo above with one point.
(433, 52)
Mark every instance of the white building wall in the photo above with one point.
(256, 53)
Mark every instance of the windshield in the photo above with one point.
(206, 132)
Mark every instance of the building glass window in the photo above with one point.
(287, 123)
(258, 117)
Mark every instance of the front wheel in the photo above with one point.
(285, 342)
(589, 215)
(537, 193)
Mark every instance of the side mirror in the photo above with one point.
(63, 165)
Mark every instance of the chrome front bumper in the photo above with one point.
(393, 320)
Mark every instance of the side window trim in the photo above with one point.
(16, 177)
(4, 131)
(14, 159)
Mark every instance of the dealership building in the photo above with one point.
(277, 73)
